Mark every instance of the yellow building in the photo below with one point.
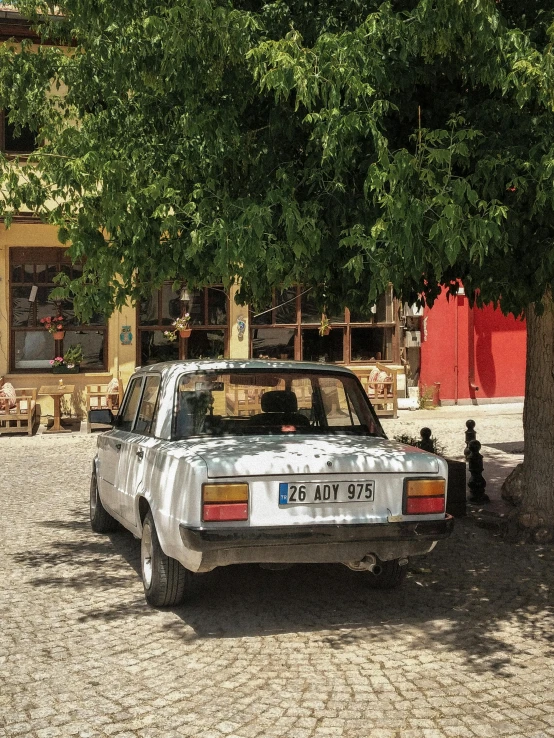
(31, 256)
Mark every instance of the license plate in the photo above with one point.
(309, 493)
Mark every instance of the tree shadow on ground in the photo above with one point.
(509, 447)
(467, 595)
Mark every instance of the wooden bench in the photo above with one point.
(21, 418)
(381, 386)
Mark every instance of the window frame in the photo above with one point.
(139, 380)
(13, 152)
(285, 373)
(346, 325)
(155, 376)
(46, 255)
(182, 343)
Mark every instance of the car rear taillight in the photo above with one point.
(424, 496)
(224, 502)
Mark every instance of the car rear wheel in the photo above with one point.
(390, 574)
(100, 520)
(166, 582)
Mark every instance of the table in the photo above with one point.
(57, 391)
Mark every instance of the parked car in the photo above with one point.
(212, 463)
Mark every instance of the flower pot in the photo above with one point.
(64, 369)
(58, 335)
(186, 333)
(324, 331)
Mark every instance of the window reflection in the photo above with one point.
(286, 310)
(149, 310)
(217, 306)
(206, 345)
(311, 314)
(264, 318)
(381, 312)
(34, 346)
(196, 307)
(155, 347)
(21, 307)
(371, 344)
(92, 343)
(207, 306)
(273, 343)
(323, 348)
(171, 305)
(33, 349)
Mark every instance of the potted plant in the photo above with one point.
(73, 358)
(54, 325)
(70, 362)
(426, 398)
(180, 326)
(325, 326)
(58, 365)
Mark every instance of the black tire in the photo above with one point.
(166, 582)
(390, 575)
(100, 520)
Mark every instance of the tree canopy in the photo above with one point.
(341, 144)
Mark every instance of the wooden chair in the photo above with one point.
(99, 397)
(381, 386)
(243, 401)
(21, 418)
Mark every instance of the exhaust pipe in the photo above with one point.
(368, 563)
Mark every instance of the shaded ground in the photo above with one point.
(465, 648)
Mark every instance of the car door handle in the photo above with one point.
(117, 446)
(140, 454)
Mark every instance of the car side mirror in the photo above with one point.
(104, 416)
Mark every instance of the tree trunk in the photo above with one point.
(531, 485)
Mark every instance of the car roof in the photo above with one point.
(222, 365)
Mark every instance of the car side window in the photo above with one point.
(148, 403)
(130, 405)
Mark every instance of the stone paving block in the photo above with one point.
(464, 651)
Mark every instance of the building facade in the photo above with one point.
(472, 354)
(31, 257)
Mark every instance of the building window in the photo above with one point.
(32, 272)
(12, 141)
(209, 312)
(288, 329)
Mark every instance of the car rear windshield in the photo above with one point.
(262, 402)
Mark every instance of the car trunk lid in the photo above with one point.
(291, 456)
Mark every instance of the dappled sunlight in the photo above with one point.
(463, 601)
(308, 455)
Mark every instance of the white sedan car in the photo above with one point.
(213, 463)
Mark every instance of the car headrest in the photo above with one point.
(279, 401)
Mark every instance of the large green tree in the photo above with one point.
(343, 144)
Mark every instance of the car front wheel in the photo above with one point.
(100, 519)
(166, 582)
(389, 575)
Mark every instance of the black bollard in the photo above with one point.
(426, 444)
(471, 435)
(477, 482)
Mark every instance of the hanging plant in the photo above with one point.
(325, 326)
(54, 325)
(180, 326)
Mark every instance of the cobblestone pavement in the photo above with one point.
(498, 427)
(466, 648)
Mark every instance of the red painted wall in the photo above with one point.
(459, 344)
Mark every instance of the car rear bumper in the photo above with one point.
(211, 539)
